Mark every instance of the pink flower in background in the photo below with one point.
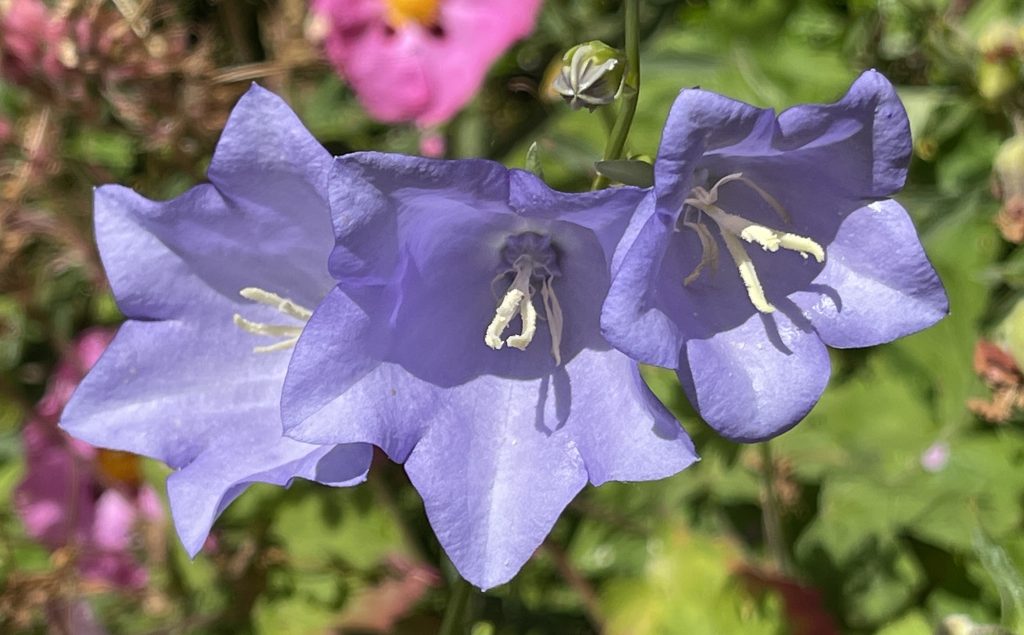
(30, 41)
(935, 458)
(419, 60)
(74, 495)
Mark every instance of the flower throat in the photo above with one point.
(533, 264)
(733, 227)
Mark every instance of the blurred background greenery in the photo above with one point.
(895, 508)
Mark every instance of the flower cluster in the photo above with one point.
(485, 330)
(76, 497)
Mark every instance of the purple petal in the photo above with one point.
(757, 380)
(871, 104)
(604, 212)
(387, 407)
(200, 492)
(266, 213)
(266, 157)
(700, 122)
(500, 463)
(634, 318)
(623, 432)
(148, 279)
(877, 284)
(340, 344)
(492, 480)
(157, 391)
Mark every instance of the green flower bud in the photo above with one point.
(996, 80)
(591, 75)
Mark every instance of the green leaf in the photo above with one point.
(114, 150)
(688, 586)
(910, 624)
(627, 172)
(533, 161)
(1006, 577)
(12, 332)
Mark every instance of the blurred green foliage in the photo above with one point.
(879, 536)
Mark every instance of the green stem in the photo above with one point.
(630, 91)
(773, 535)
(457, 613)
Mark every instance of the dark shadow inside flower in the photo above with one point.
(789, 308)
(560, 384)
(817, 188)
(771, 330)
(828, 292)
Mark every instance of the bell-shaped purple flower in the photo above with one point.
(463, 338)
(766, 238)
(181, 381)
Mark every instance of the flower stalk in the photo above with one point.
(630, 91)
(771, 518)
(458, 613)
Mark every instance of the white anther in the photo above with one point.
(518, 300)
(733, 227)
(803, 246)
(509, 307)
(529, 315)
(290, 333)
(767, 238)
(770, 239)
(271, 330)
(284, 305)
(747, 273)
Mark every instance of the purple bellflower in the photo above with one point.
(200, 279)
(765, 239)
(463, 338)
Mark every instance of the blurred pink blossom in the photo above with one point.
(30, 41)
(419, 60)
(935, 458)
(75, 495)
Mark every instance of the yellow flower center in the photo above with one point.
(402, 12)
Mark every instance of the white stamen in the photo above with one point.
(282, 305)
(747, 273)
(518, 300)
(502, 316)
(731, 226)
(529, 315)
(803, 246)
(283, 345)
(734, 227)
